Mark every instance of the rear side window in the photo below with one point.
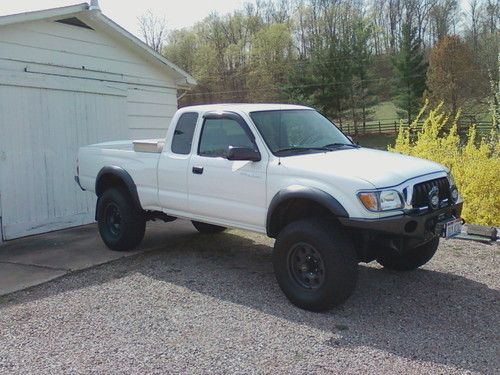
(183, 134)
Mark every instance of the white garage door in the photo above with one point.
(40, 132)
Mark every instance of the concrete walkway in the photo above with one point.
(34, 260)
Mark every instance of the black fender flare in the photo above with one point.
(123, 176)
(303, 192)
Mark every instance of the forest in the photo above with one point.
(358, 62)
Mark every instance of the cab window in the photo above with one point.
(218, 134)
(183, 134)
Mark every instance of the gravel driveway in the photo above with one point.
(210, 304)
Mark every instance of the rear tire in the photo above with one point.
(408, 260)
(315, 264)
(121, 224)
(207, 228)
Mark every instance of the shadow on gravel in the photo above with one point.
(425, 315)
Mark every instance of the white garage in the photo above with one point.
(69, 77)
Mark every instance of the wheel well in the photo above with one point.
(295, 209)
(117, 177)
(107, 181)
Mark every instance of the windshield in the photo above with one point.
(288, 132)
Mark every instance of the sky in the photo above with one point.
(179, 13)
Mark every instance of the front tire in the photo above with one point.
(207, 228)
(315, 264)
(408, 260)
(121, 225)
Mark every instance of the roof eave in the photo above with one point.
(186, 81)
(43, 14)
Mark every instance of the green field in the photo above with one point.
(384, 123)
(376, 141)
(384, 111)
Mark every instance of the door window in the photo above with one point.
(218, 134)
(183, 134)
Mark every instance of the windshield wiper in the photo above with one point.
(326, 148)
(333, 145)
(302, 149)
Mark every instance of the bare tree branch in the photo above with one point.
(154, 29)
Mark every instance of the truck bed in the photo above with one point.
(139, 158)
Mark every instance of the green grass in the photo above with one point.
(384, 111)
(384, 120)
(376, 141)
(387, 111)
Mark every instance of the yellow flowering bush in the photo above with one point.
(475, 165)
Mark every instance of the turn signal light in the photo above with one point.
(369, 200)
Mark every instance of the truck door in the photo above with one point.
(174, 163)
(223, 190)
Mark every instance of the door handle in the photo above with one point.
(198, 170)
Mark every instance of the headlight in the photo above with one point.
(454, 194)
(390, 200)
(381, 200)
(453, 189)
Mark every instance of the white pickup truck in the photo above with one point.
(285, 171)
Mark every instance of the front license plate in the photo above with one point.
(452, 228)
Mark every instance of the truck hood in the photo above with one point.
(380, 168)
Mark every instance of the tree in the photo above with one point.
(410, 68)
(472, 28)
(443, 18)
(361, 53)
(181, 49)
(341, 56)
(482, 36)
(153, 29)
(324, 76)
(323, 80)
(495, 108)
(453, 76)
(270, 62)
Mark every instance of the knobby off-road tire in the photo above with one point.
(315, 264)
(207, 228)
(121, 224)
(408, 260)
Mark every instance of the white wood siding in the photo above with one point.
(40, 132)
(61, 87)
(150, 111)
(47, 48)
(56, 44)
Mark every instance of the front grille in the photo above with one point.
(421, 191)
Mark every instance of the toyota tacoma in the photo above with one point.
(285, 171)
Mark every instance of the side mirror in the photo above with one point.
(242, 153)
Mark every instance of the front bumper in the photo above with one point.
(409, 224)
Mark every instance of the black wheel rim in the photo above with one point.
(306, 266)
(113, 219)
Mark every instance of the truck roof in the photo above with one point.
(242, 107)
